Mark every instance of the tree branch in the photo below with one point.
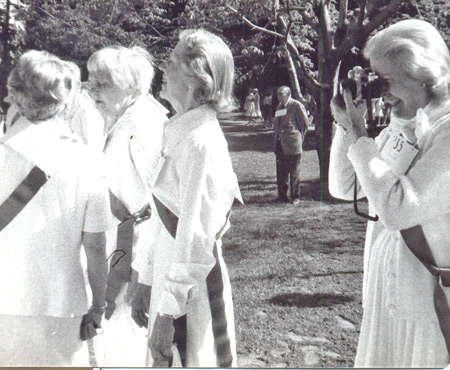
(254, 26)
(324, 22)
(362, 34)
(343, 6)
(362, 13)
(307, 75)
(308, 20)
(292, 48)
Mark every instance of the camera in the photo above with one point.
(363, 84)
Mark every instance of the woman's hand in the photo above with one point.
(139, 298)
(351, 119)
(161, 340)
(91, 322)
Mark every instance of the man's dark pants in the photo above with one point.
(288, 168)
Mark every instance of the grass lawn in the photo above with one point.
(296, 270)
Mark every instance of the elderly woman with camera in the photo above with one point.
(120, 79)
(53, 200)
(405, 175)
(191, 302)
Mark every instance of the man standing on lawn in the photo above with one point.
(289, 132)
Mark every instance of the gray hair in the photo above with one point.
(419, 50)
(286, 89)
(40, 84)
(208, 63)
(129, 68)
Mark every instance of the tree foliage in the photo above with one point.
(297, 42)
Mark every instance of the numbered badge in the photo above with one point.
(280, 112)
(398, 152)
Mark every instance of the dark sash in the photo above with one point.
(214, 282)
(417, 243)
(20, 197)
(168, 218)
(120, 259)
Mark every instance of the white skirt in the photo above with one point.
(41, 341)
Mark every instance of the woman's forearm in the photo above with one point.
(97, 266)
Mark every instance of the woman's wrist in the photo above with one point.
(99, 306)
(163, 315)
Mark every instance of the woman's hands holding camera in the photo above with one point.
(350, 117)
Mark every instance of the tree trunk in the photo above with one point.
(6, 59)
(324, 129)
(327, 68)
(296, 91)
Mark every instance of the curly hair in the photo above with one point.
(40, 84)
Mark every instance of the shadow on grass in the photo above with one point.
(311, 190)
(310, 300)
(253, 141)
(330, 274)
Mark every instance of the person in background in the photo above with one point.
(257, 103)
(267, 108)
(250, 108)
(82, 116)
(291, 123)
(53, 200)
(191, 302)
(120, 80)
(404, 173)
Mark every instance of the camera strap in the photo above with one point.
(417, 243)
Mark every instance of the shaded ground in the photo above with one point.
(296, 271)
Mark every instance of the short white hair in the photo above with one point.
(208, 63)
(129, 68)
(419, 50)
(41, 85)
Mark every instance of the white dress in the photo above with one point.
(86, 121)
(399, 327)
(132, 149)
(198, 185)
(41, 275)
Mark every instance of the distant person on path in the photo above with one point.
(54, 200)
(257, 103)
(267, 108)
(250, 107)
(274, 105)
(405, 175)
(291, 123)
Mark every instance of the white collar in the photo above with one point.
(179, 126)
(429, 118)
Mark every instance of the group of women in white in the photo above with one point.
(100, 166)
(151, 198)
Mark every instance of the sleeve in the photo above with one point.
(146, 148)
(193, 256)
(98, 216)
(143, 251)
(93, 126)
(301, 118)
(341, 177)
(411, 199)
